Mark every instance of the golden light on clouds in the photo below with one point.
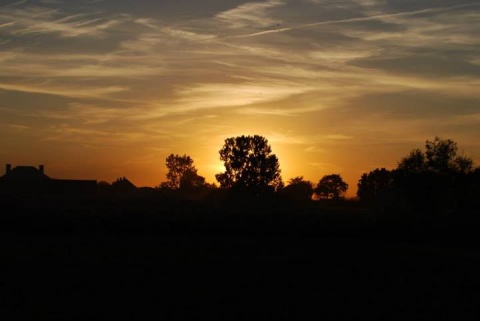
(104, 89)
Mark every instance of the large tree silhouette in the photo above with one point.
(249, 164)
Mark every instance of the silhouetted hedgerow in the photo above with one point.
(427, 186)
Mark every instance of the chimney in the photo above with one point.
(8, 168)
(41, 168)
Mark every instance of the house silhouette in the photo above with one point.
(122, 184)
(32, 180)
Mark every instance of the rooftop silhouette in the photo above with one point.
(24, 173)
(30, 179)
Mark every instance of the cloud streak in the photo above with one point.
(38, 20)
(234, 95)
(250, 14)
(350, 20)
(79, 92)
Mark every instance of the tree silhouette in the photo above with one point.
(376, 186)
(441, 183)
(249, 164)
(331, 187)
(463, 164)
(430, 184)
(414, 162)
(191, 180)
(298, 190)
(182, 174)
(440, 154)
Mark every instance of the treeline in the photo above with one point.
(425, 185)
(437, 181)
(252, 172)
(435, 189)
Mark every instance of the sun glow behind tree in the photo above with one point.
(104, 89)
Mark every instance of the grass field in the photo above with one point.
(334, 264)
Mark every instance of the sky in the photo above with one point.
(102, 89)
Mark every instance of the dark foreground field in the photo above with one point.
(282, 265)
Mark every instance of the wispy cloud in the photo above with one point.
(75, 66)
(77, 92)
(86, 114)
(187, 35)
(314, 149)
(323, 167)
(229, 95)
(39, 20)
(251, 14)
(19, 127)
(7, 24)
(351, 20)
(52, 1)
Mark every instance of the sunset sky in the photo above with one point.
(101, 89)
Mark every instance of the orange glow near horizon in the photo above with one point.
(103, 89)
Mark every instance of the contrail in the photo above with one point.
(7, 24)
(330, 22)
